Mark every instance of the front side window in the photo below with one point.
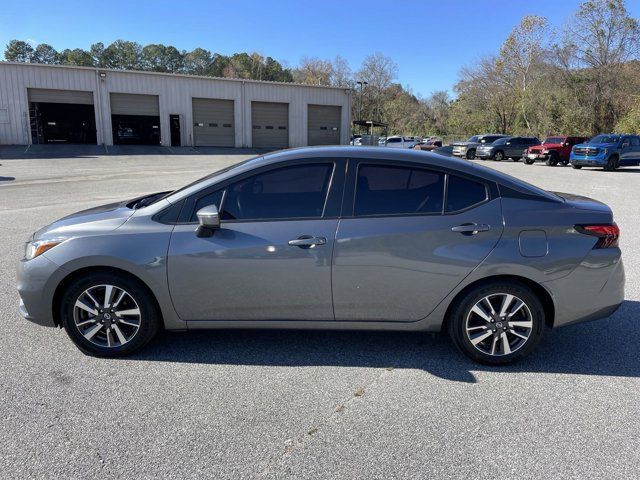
(297, 191)
(463, 193)
(386, 190)
(394, 140)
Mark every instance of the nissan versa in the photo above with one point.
(330, 238)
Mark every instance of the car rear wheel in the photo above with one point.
(471, 154)
(109, 315)
(497, 323)
(577, 167)
(498, 156)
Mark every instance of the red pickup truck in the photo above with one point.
(553, 150)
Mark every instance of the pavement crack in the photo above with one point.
(296, 444)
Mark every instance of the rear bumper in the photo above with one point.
(595, 289)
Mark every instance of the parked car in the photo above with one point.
(356, 140)
(428, 146)
(330, 237)
(608, 151)
(381, 141)
(553, 150)
(507, 147)
(447, 151)
(398, 141)
(468, 149)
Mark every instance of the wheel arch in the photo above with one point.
(543, 295)
(72, 276)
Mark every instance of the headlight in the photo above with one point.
(546, 152)
(36, 248)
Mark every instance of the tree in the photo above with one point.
(45, 53)
(521, 55)
(314, 71)
(97, 52)
(197, 61)
(122, 55)
(341, 73)
(18, 51)
(597, 43)
(436, 113)
(77, 56)
(379, 72)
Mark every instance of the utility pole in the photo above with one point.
(362, 84)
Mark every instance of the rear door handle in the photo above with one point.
(307, 241)
(471, 228)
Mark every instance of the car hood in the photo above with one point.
(596, 145)
(95, 220)
(546, 146)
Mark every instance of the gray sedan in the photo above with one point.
(330, 238)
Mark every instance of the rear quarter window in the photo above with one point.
(463, 193)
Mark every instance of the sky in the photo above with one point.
(429, 40)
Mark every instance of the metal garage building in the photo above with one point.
(65, 104)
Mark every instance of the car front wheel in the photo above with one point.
(497, 323)
(498, 156)
(471, 154)
(109, 315)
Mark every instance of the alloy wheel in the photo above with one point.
(498, 156)
(499, 324)
(107, 316)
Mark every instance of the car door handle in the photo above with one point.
(471, 228)
(307, 241)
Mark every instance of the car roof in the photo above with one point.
(418, 157)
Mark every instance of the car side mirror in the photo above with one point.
(209, 221)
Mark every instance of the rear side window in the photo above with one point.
(298, 191)
(386, 190)
(464, 193)
(635, 141)
(394, 140)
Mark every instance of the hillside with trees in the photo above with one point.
(582, 78)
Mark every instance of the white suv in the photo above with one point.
(401, 142)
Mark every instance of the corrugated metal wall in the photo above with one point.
(175, 94)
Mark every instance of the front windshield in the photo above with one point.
(605, 139)
(552, 140)
(205, 178)
(501, 141)
(473, 139)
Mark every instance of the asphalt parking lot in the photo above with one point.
(304, 404)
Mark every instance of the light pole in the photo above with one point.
(362, 83)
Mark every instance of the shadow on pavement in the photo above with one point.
(19, 152)
(607, 347)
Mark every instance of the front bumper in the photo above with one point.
(588, 161)
(459, 151)
(484, 153)
(36, 283)
(537, 157)
(595, 289)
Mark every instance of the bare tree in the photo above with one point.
(521, 56)
(379, 72)
(341, 75)
(313, 71)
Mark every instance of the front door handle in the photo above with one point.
(471, 228)
(307, 241)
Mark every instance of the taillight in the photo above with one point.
(607, 234)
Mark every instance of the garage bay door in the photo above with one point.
(61, 116)
(323, 125)
(213, 122)
(135, 119)
(270, 124)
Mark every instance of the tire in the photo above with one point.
(131, 331)
(565, 162)
(577, 167)
(612, 163)
(498, 156)
(529, 161)
(552, 161)
(462, 316)
(471, 154)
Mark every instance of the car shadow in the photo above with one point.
(7, 179)
(606, 347)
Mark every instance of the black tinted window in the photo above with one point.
(384, 190)
(289, 192)
(635, 141)
(463, 193)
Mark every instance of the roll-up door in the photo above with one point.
(135, 119)
(213, 122)
(134, 104)
(270, 124)
(323, 125)
(61, 116)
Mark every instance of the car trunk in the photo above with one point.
(585, 203)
